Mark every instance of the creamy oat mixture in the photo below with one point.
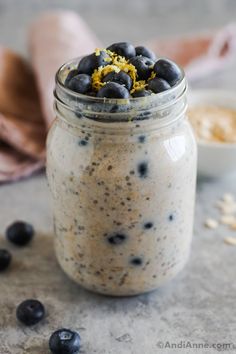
(123, 204)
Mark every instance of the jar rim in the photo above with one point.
(101, 99)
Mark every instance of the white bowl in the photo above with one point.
(214, 159)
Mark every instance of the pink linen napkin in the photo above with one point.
(22, 130)
(200, 55)
(54, 39)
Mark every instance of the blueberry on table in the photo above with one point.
(124, 49)
(143, 66)
(141, 93)
(81, 83)
(30, 312)
(120, 78)
(20, 233)
(145, 52)
(113, 90)
(5, 259)
(89, 63)
(168, 70)
(71, 74)
(158, 85)
(65, 341)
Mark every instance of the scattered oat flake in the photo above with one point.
(228, 220)
(227, 208)
(230, 241)
(211, 223)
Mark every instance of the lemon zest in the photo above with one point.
(100, 73)
(152, 76)
(117, 63)
(97, 52)
(139, 85)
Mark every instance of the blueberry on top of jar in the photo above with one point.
(120, 78)
(113, 90)
(158, 85)
(81, 83)
(93, 61)
(145, 52)
(71, 74)
(143, 66)
(124, 49)
(168, 70)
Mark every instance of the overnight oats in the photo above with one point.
(121, 165)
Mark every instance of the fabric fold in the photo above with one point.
(200, 55)
(26, 95)
(22, 129)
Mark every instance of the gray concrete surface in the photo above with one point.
(196, 308)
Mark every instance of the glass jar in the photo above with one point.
(122, 175)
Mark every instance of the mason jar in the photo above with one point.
(122, 175)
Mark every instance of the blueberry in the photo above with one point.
(115, 108)
(136, 261)
(5, 259)
(145, 52)
(30, 312)
(89, 63)
(113, 90)
(143, 66)
(71, 74)
(116, 239)
(65, 341)
(83, 142)
(81, 83)
(120, 78)
(124, 49)
(141, 93)
(20, 233)
(168, 70)
(158, 85)
(148, 225)
(142, 138)
(171, 217)
(143, 169)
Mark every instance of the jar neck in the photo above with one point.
(156, 110)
